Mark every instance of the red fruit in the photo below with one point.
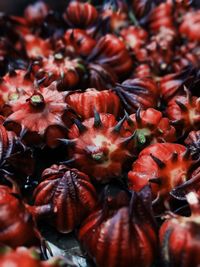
(84, 103)
(162, 17)
(137, 93)
(101, 76)
(186, 55)
(184, 111)
(23, 257)
(115, 15)
(150, 127)
(36, 47)
(141, 7)
(160, 50)
(190, 25)
(165, 166)
(100, 147)
(172, 85)
(70, 194)
(125, 234)
(79, 41)
(112, 52)
(17, 226)
(7, 141)
(12, 86)
(58, 67)
(80, 15)
(143, 70)
(42, 114)
(134, 38)
(179, 237)
(36, 13)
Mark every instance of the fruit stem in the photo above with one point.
(99, 157)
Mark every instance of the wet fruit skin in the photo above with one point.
(84, 103)
(12, 86)
(80, 15)
(119, 229)
(79, 41)
(185, 112)
(100, 147)
(165, 166)
(190, 26)
(107, 92)
(63, 69)
(137, 93)
(70, 194)
(36, 47)
(17, 227)
(179, 237)
(42, 113)
(150, 127)
(111, 51)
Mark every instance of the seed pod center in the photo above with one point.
(37, 100)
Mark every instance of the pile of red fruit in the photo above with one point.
(100, 132)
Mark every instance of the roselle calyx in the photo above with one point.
(179, 236)
(70, 195)
(120, 232)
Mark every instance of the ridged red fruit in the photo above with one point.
(70, 194)
(79, 42)
(172, 85)
(36, 47)
(101, 76)
(80, 15)
(41, 114)
(150, 127)
(134, 38)
(190, 25)
(179, 237)
(184, 111)
(12, 86)
(125, 234)
(165, 166)
(162, 17)
(138, 93)
(59, 67)
(112, 52)
(99, 146)
(17, 226)
(84, 103)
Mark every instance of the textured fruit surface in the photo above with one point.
(100, 131)
(100, 147)
(41, 112)
(126, 229)
(137, 93)
(150, 127)
(16, 223)
(179, 236)
(165, 166)
(69, 192)
(84, 103)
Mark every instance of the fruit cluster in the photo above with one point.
(100, 132)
